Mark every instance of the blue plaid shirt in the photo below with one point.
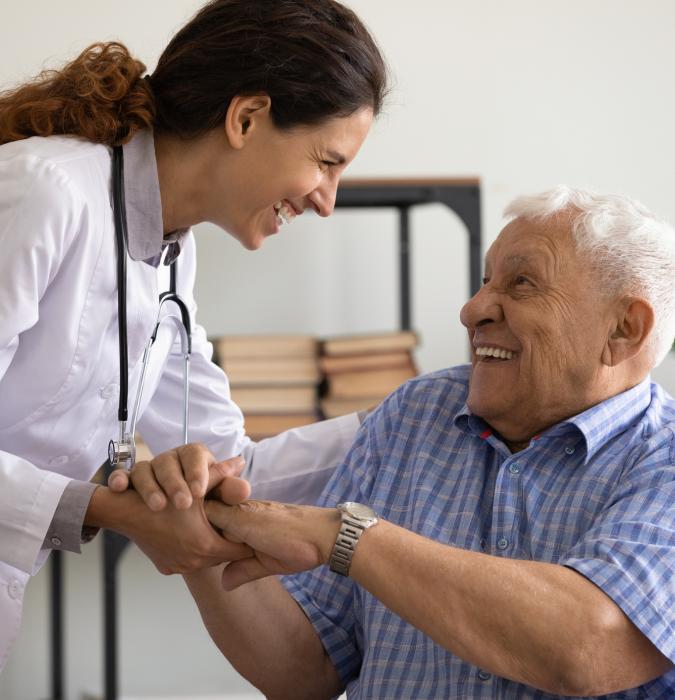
(595, 493)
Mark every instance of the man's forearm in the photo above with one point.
(265, 635)
(540, 624)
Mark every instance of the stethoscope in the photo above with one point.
(122, 452)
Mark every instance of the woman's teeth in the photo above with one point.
(284, 214)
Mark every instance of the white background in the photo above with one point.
(525, 94)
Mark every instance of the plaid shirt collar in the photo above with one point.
(596, 425)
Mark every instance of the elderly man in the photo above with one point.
(524, 542)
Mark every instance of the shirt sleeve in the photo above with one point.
(67, 530)
(629, 552)
(330, 601)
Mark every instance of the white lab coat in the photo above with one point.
(59, 363)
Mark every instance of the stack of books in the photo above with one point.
(273, 378)
(361, 370)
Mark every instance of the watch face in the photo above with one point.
(358, 510)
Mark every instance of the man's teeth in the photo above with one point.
(495, 352)
(284, 214)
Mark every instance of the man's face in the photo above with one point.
(537, 329)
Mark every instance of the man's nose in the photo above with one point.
(483, 307)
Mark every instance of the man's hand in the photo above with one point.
(284, 538)
(181, 474)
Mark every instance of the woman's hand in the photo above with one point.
(177, 540)
(284, 538)
(181, 475)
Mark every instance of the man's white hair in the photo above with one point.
(631, 251)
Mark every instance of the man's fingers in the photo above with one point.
(237, 573)
(228, 467)
(233, 490)
(225, 519)
(219, 514)
(231, 551)
(118, 481)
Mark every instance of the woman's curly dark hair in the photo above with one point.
(100, 96)
(314, 58)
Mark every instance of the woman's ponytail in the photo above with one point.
(100, 96)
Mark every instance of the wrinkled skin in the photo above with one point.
(540, 301)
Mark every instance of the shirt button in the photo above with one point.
(56, 541)
(569, 450)
(484, 675)
(514, 468)
(502, 543)
(14, 589)
(483, 543)
(58, 461)
(107, 392)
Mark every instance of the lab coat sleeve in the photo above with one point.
(294, 466)
(39, 213)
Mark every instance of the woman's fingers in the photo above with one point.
(143, 480)
(233, 490)
(220, 470)
(195, 460)
(118, 480)
(167, 470)
(182, 474)
(237, 573)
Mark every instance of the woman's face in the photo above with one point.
(271, 175)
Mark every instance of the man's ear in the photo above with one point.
(633, 326)
(244, 115)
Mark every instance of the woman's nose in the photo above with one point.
(323, 197)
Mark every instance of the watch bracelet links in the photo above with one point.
(345, 544)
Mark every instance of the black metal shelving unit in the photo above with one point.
(463, 197)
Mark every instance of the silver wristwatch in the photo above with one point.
(355, 519)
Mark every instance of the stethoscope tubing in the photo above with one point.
(120, 219)
(123, 452)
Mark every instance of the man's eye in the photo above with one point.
(520, 280)
(485, 280)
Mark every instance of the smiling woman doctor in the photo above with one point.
(253, 112)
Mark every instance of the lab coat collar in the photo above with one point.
(143, 202)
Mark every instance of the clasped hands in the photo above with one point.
(191, 512)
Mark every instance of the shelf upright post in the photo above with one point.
(404, 267)
(56, 595)
(114, 545)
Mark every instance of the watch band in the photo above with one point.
(345, 544)
(356, 518)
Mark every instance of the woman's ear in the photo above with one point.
(244, 115)
(633, 327)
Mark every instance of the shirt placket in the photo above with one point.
(507, 508)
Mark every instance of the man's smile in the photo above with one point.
(489, 352)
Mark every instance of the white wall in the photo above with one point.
(523, 93)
